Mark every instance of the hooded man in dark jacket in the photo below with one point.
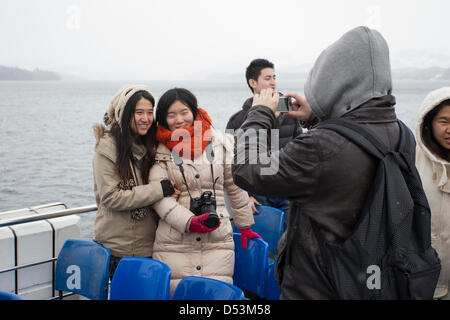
(325, 176)
(260, 74)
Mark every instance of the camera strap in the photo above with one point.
(180, 166)
(179, 163)
(212, 172)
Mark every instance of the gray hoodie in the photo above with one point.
(348, 73)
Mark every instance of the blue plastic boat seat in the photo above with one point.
(140, 279)
(199, 288)
(269, 224)
(272, 289)
(250, 266)
(83, 268)
(10, 296)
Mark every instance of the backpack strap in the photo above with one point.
(357, 134)
(366, 139)
(407, 140)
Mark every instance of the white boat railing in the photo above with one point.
(43, 216)
(36, 217)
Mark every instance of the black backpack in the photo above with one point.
(389, 253)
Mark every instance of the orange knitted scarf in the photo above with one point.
(194, 139)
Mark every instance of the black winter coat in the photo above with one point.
(327, 179)
(289, 127)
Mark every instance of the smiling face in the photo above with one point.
(142, 119)
(441, 127)
(179, 116)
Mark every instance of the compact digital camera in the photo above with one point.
(206, 203)
(284, 104)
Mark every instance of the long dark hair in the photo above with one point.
(169, 97)
(124, 138)
(427, 131)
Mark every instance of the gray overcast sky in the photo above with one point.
(163, 39)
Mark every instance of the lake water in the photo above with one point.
(47, 143)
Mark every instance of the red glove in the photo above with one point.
(198, 226)
(247, 234)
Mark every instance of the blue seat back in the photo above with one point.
(272, 289)
(269, 224)
(199, 288)
(140, 279)
(83, 268)
(9, 296)
(250, 265)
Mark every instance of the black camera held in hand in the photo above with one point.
(206, 203)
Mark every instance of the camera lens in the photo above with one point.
(212, 221)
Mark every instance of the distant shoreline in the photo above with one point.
(420, 74)
(17, 74)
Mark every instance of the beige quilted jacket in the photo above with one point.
(114, 227)
(199, 254)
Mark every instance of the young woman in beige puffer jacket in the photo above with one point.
(200, 162)
(125, 151)
(432, 161)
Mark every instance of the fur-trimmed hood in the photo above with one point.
(99, 132)
(432, 100)
(106, 145)
(440, 167)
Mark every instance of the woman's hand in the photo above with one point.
(176, 194)
(197, 224)
(247, 234)
(253, 203)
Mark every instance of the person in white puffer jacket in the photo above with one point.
(195, 242)
(432, 161)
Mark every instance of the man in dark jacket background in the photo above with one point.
(260, 74)
(325, 176)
